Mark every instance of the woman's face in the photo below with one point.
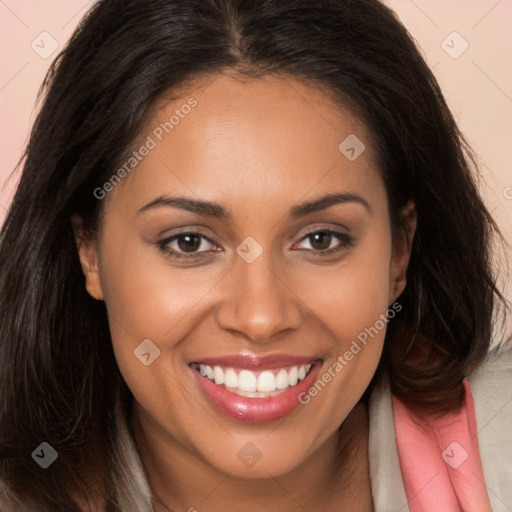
(284, 265)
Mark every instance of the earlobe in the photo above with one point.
(88, 255)
(402, 247)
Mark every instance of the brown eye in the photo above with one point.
(320, 240)
(325, 241)
(188, 242)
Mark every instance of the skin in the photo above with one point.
(257, 147)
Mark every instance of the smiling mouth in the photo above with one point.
(254, 388)
(254, 384)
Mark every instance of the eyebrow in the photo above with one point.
(212, 209)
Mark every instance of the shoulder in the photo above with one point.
(491, 387)
(496, 367)
(385, 473)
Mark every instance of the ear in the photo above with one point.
(87, 248)
(402, 245)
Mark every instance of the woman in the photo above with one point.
(247, 266)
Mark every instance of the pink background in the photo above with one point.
(477, 84)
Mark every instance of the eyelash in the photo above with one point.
(346, 242)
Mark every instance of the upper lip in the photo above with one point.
(253, 362)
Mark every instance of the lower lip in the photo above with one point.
(256, 410)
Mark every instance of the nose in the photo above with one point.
(258, 303)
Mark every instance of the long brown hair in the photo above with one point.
(59, 382)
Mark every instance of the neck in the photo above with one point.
(335, 477)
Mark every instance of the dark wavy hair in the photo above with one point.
(59, 381)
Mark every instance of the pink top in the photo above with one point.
(440, 459)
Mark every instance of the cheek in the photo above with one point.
(148, 295)
(351, 303)
(350, 297)
(146, 298)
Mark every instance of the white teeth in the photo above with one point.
(282, 380)
(255, 385)
(246, 381)
(293, 376)
(218, 375)
(267, 381)
(256, 394)
(230, 378)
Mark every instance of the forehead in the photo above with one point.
(266, 139)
